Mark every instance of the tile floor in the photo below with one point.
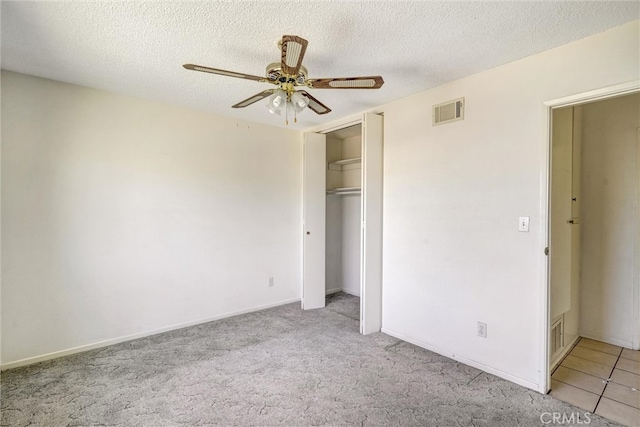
(600, 378)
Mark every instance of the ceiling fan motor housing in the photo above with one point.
(277, 76)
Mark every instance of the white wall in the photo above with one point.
(122, 216)
(453, 194)
(351, 243)
(351, 217)
(333, 230)
(608, 196)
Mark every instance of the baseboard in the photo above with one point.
(464, 360)
(346, 291)
(565, 351)
(354, 293)
(605, 339)
(106, 343)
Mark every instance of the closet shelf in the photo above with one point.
(338, 164)
(344, 191)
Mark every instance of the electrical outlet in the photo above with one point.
(482, 329)
(271, 281)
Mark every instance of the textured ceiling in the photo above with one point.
(138, 48)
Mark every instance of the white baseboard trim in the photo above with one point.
(354, 293)
(464, 360)
(605, 339)
(106, 343)
(563, 353)
(346, 291)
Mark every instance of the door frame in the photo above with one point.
(544, 288)
(371, 223)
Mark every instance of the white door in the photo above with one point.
(371, 256)
(560, 209)
(314, 200)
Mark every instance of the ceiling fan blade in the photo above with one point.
(371, 82)
(317, 106)
(253, 99)
(293, 49)
(223, 72)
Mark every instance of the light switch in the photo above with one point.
(523, 223)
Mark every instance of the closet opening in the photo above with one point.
(343, 238)
(342, 219)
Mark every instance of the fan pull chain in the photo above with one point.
(286, 114)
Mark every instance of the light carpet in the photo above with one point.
(281, 366)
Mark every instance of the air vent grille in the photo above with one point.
(557, 337)
(449, 111)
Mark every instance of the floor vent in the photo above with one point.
(449, 111)
(557, 337)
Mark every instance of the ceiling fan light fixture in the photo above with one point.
(277, 102)
(278, 99)
(287, 75)
(299, 101)
(274, 110)
(295, 107)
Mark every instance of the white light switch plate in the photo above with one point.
(523, 223)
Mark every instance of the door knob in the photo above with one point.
(308, 232)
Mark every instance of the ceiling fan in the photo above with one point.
(287, 75)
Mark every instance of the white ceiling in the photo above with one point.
(138, 48)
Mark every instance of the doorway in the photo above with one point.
(343, 210)
(342, 217)
(593, 227)
(593, 247)
(343, 238)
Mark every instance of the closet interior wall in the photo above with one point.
(343, 210)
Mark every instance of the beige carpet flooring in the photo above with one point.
(277, 367)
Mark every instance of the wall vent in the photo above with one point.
(557, 337)
(448, 112)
